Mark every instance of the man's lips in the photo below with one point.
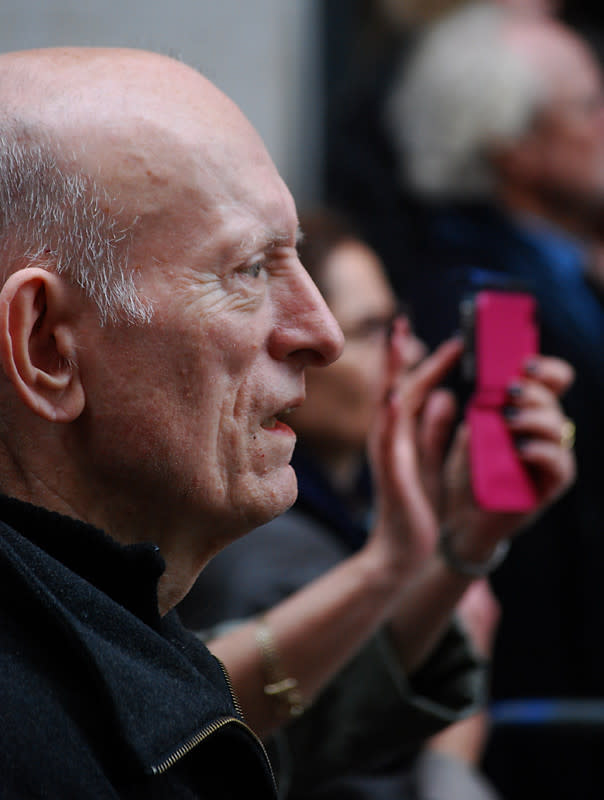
(272, 422)
(279, 418)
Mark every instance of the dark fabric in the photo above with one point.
(345, 518)
(362, 733)
(372, 721)
(97, 691)
(549, 642)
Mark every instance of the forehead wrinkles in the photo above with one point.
(157, 178)
(223, 195)
(242, 231)
(183, 184)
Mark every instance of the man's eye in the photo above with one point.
(254, 270)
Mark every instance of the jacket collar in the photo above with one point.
(100, 598)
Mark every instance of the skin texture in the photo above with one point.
(166, 430)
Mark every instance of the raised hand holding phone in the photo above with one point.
(504, 338)
(538, 429)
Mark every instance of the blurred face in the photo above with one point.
(341, 399)
(568, 138)
(574, 132)
(189, 411)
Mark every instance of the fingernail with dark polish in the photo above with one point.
(515, 390)
(510, 412)
(521, 442)
(531, 367)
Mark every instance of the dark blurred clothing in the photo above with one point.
(362, 736)
(550, 640)
(551, 632)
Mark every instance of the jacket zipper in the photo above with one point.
(239, 710)
(234, 697)
(196, 739)
(199, 737)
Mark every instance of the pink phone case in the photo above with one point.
(505, 336)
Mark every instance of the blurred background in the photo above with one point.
(313, 77)
(264, 54)
(289, 64)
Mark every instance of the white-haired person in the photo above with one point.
(496, 123)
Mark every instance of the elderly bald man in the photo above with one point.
(155, 324)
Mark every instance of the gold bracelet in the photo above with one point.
(283, 689)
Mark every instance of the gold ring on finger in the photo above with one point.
(567, 434)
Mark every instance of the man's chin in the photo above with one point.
(278, 492)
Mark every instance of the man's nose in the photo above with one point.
(307, 330)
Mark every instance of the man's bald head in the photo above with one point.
(94, 144)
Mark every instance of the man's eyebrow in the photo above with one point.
(284, 239)
(268, 240)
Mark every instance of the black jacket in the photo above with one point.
(100, 697)
(362, 735)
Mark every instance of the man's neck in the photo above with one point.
(118, 517)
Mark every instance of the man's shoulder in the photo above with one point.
(101, 698)
(43, 751)
(43, 712)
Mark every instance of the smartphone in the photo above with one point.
(501, 332)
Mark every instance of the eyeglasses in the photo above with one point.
(372, 328)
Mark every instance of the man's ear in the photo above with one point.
(37, 344)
